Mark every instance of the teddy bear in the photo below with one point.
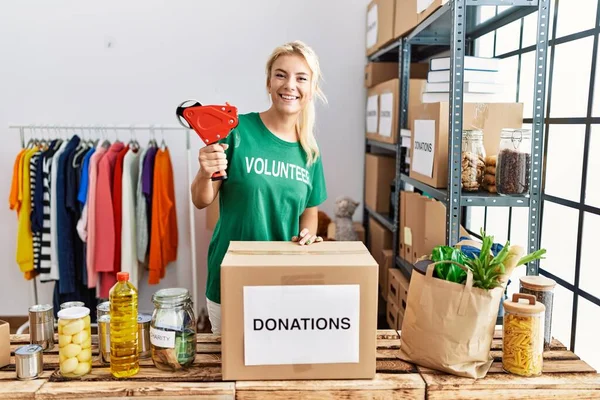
(344, 227)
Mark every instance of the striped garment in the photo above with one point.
(37, 236)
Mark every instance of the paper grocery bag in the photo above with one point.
(449, 326)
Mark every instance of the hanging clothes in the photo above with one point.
(141, 213)
(14, 201)
(129, 261)
(24, 236)
(36, 229)
(54, 269)
(117, 200)
(105, 223)
(90, 237)
(46, 251)
(163, 234)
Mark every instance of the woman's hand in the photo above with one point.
(212, 159)
(306, 238)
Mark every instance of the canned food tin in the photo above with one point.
(41, 325)
(28, 361)
(102, 309)
(144, 348)
(104, 338)
(70, 304)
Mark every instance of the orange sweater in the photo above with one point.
(163, 231)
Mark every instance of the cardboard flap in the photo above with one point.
(340, 254)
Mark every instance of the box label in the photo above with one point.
(423, 147)
(372, 26)
(372, 110)
(307, 324)
(386, 113)
(164, 339)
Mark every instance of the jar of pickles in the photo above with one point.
(74, 341)
(523, 335)
(173, 329)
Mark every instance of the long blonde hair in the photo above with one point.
(306, 122)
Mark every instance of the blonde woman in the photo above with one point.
(275, 175)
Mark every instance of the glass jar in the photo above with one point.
(523, 336)
(473, 160)
(74, 341)
(173, 329)
(514, 162)
(543, 290)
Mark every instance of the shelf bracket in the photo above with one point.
(537, 142)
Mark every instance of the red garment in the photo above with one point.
(117, 202)
(104, 252)
(164, 235)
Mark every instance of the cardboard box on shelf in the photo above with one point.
(378, 72)
(406, 17)
(298, 312)
(387, 263)
(380, 24)
(379, 172)
(382, 107)
(429, 149)
(397, 287)
(381, 239)
(425, 8)
(4, 343)
(414, 227)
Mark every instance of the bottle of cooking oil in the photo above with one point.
(124, 359)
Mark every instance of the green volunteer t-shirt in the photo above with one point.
(268, 187)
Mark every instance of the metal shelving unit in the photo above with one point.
(455, 26)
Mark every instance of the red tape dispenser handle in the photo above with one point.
(212, 123)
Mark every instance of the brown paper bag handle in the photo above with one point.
(462, 308)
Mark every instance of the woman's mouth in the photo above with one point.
(287, 97)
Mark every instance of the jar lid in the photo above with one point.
(28, 350)
(104, 319)
(472, 133)
(510, 133)
(530, 307)
(171, 295)
(104, 306)
(537, 283)
(73, 313)
(144, 318)
(41, 308)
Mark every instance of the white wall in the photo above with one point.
(117, 62)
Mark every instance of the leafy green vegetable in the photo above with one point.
(448, 271)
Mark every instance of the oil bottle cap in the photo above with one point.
(122, 276)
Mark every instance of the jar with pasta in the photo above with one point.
(74, 341)
(523, 335)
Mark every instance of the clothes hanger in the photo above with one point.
(133, 143)
(163, 145)
(152, 141)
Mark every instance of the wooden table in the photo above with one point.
(565, 376)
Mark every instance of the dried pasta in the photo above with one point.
(522, 345)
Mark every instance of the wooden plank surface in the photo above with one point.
(383, 386)
(128, 389)
(20, 389)
(496, 386)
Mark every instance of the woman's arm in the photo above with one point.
(309, 222)
(212, 159)
(204, 191)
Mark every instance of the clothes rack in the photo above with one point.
(54, 130)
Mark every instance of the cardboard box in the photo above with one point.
(425, 8)
(387, 258)
(378, 72)
(429, 148)
(397, 287)
(381, 239)
(406, 17)
(392, 313)
(380, 171)
(383, 107)
(414, 227)
(4, 343)
(358, 228)
(380, 24)
(268, 288)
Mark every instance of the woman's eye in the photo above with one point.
(279, 75)
(302, 79)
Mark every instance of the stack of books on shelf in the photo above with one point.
(482, 80)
